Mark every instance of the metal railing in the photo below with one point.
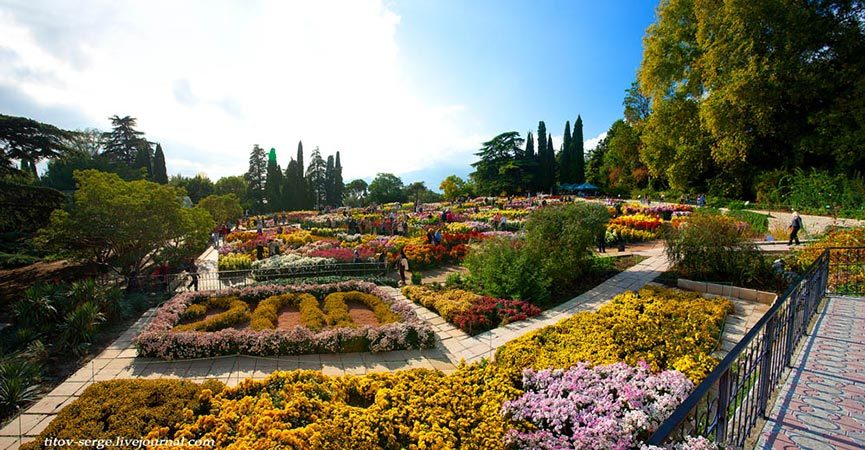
(239, 278)
(726, 406)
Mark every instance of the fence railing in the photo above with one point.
(726, 406)
(239, 278)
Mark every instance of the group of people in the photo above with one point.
(434, 236)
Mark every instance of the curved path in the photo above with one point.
(822, 404)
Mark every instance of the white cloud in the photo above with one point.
(212, 79)
(593, 142)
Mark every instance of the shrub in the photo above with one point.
(80, 326)
(11, 261)
(454, 280)
(505, 269)
(19, 383)
(416, 278)
(129, 408)
(759, 223)
(715, 248)
(668, 329)
(237, 312)
(561, 238)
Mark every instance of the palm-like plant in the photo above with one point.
(18, 382)
(80, 326)
(36, 308)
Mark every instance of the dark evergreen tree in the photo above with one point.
(123, 141)
(160, 175)
(330, 182)
(530, 145)
(273, 183)
(566, 159)
(143, 159)
(255, 176)
(550, 172)
(315, 179)
(339, 186)
(533, 185)
(578, 152)
(304, 194)
(290, 192)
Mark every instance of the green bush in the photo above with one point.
(504, 269)
(129, 408)
(715, 248)
(11, 261)
(759, 223)
(416, 278)
(562, 239)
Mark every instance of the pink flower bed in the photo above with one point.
(158, 340)
(343, 254)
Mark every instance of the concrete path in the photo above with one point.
(822, 404)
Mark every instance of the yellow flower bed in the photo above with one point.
(408, 409)
(237, 312)
(668, 329)
(337, 300)
(447, 303)
(266, 314)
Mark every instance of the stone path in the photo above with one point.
(822, 404)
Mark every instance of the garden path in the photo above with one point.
(822, 403)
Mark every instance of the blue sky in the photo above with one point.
(409, 87)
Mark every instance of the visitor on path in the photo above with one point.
(193, 272)
(259, 252)
(795, 226)
(602, 242)
(356, 256)
(259, 227)
(402, 265)
(438, 237)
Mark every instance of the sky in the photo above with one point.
(407, 87)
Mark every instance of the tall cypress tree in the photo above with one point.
(330, 182)
(160, 175)
(533, 163)
(289, 185)
(551, 163)
(255, 176)
(273, 183)
(566, 173)
(339, 186)
(304, 197)
(579, 152)
(142, 159)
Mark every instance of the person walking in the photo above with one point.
(193, 272)
(402, 265)
(795, 226)
(602, 242)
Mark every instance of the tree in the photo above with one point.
(566, 166)
(330, 181)
(415, 190)
(273, 183)
(339, 187)
(454, 187)
(255, 177)
(143, 157)
(160, 175)
(121, 224)
(637, 106)
(123, 141)
(86, 142)
(386, 188)
(501, 168)
(578, 152)
(196, 187)
(222, 208)
(550, 171)
(306, 200)
(356, 192)
(29, 141)
(316, 178)
(236, 185)
(546, 160)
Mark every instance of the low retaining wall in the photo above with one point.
(753, 295)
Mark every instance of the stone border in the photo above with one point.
(725, 290)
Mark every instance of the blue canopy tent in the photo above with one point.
(585, 188)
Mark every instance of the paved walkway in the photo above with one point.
(822, 404)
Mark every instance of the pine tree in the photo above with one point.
(289, 188)
(255, 176)
(566, 173)
(315, 179)
(123, 141)
(160, 175)
(578, 152)
(143, 157)
(339, 186)
(305, 200)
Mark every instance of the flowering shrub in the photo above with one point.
(343, 254)
(487, 313)
(638, 222)
(235, 262)
(158, 340)
(668, 329)
(613, 406)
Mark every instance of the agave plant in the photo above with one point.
(36, 308)
(80, 326)
(18, 382)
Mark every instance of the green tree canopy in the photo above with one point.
(29, 141)
(196, 187)
(454, 187)
(386, 188)
(502, 167)
(123, 142)
(236, 185)
(122, 225)
(356, 192)
(222, 208)
(255, 177)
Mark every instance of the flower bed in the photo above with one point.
(158, 339)
(613, 406)
(668, 329)
(471, 312)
